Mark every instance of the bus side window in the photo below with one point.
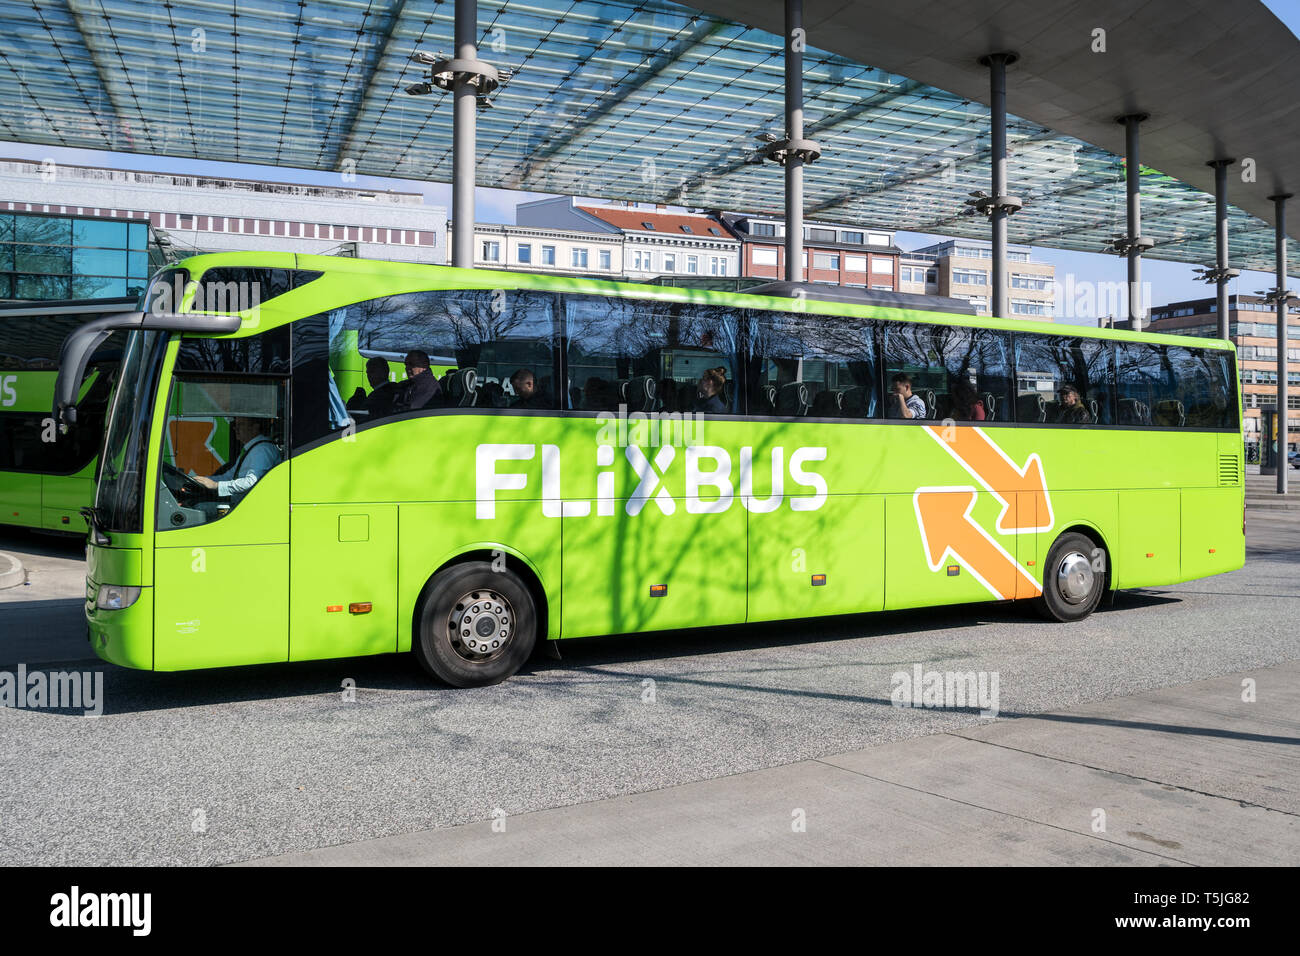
(816, 366)
(648, 356)
(1051, 367)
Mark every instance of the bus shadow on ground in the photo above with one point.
(47, 544)
(129, 691)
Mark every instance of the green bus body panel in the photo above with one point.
(225, 606)
(342, 555)
(844, 540)
(1211, 531)
(125, 637)
(114, 565)
(21, 495)
(1149, 549)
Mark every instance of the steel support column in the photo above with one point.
(464, 129)
(794, 46)
(1221, 276)
(1134, 243)
(998, 149)
(1281, 298)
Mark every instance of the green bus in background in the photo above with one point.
(608, 458)
(45, 478)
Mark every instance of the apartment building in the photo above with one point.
(656, 241)
(553, 251)
(963, 270)
(839, 255)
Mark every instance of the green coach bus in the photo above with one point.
(47, 478)
(609, 458)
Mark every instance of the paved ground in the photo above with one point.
(234, 765)
(1078, 788)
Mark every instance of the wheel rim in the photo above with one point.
(1074, 578)
(481, 625)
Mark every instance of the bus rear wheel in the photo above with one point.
(1072, 585)
(475, 626)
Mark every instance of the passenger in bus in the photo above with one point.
(527, 394)
(900, 401)
(259, 454)
(708, 391)
(382, 392)
(421, 387)
(1073, 411)
(966, 405)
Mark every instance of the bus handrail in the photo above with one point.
(83, 341)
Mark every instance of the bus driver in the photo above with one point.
(259, 455)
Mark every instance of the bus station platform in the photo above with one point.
(1185, 775)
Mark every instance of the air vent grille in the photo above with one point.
(1229, 470)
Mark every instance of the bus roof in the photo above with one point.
(450, 277)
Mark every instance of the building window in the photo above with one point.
(762, 229)
(883, 288)
(826, 260)
(764, 257)
(1028, 307)
(693, 265)
(670, 262)
(821, 235)
(970, 277)
(491, 251)
(525, 253)
(548, 255)
(580, 258)
(855, 263)
(605, 259)
(853, 237)
(881, 266)
(1034, 283)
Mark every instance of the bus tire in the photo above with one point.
(475, 626)
(1072, 588)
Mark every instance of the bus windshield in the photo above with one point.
(119, 500)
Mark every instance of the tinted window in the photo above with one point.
(479, 345)
(235, 289)
(960, 374)
(650, 356)
(813, 365)
(1203, 383)
(1149, 391)
(265, 354)
(1049, 368)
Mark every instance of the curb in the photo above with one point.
(11, 571)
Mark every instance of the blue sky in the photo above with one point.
(1169, 281)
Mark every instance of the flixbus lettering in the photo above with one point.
(706, 468)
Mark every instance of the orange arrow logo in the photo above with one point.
(943, 515)
(989, 465)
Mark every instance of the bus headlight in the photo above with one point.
(116, 597)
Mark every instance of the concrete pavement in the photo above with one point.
(1184, 775)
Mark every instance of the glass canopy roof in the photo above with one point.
(622, 100)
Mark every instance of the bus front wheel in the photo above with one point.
(475, 626)
(1072, 580)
